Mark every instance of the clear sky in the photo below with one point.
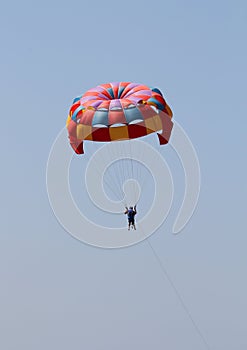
(58, 293)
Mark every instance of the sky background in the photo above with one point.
(58, 293)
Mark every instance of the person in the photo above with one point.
(131, 212)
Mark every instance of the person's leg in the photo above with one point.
(133, 224)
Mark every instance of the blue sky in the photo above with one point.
(59, 293)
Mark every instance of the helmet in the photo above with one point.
(131, 207)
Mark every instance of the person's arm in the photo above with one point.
(135, 209)
(126, 211)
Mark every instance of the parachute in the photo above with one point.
(113, 175)
(118, 111)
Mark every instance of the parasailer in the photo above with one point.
(131, 212)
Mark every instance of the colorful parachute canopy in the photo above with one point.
(118, 111)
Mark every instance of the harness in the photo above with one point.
(131, 214)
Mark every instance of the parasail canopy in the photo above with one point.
(118, 111)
